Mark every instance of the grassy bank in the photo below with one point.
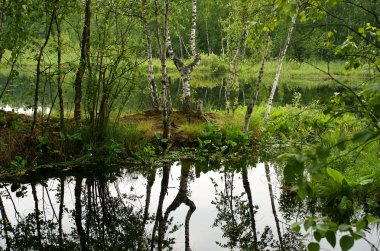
(212, 73)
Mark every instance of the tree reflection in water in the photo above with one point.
(102, 212)
(236, 215)
(99, 220)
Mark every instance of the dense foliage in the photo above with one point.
(127, 55)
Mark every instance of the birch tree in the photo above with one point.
(162, 39)
(280, 61)
(2, 16)
(186, 70)
(152, 83)
(165, 92)
(253, 100)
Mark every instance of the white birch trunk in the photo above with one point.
(279, 68)
(165, 81)
(186, 70)
(153, 87)
(2, 10)
(193, 28)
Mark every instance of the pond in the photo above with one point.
(208, 87)
(201, 209)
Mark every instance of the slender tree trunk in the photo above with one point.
(85, 48)
(222, 42)
(39, 71)
(220, 93)
(6, 224)
(150, 181)
(273, 206)
(279, 68)
(60, 213)
(180, 46)
(253, 101)
(153, 87)
(208, 39)
(59, 66)
(10, 76)
(78, 212)
(2, 16)
(166, 109)
(89, 216)
(233, 81)
(159, 216)
(247, 189)
(37, 213)
(229, 194)
(186, 70)
(182, 197)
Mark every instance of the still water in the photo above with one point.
(200, 210)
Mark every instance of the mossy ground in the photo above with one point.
(49, 144)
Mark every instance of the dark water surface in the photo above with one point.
(108, 211)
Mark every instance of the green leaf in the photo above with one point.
(344, 227)
(14, 187)
(372, 219)
(331, 238)
(317, 236)
(362, 136)
(366, 182)
(296, 227)
(358, 235)
(313, 246)
(345, 204)
(361, 224)
(43, 140)
(308, 223)
(292, 169)
(322, 227)
(336, 175)
(302, 193)
(207, 141)
(346, 242)
(322, 153)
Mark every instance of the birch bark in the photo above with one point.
(279, 68)
(186, 70)
(152, 83)
(165, 94)
(2, 15)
